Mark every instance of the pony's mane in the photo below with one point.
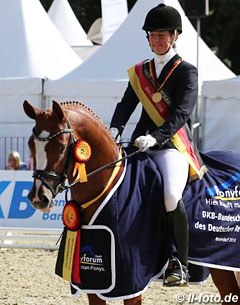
(76, 104)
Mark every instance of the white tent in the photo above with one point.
(114, 12)
(31, 49)
(128, 45)
(68, 25)
(15, 126)
(31, 45)
(221, 108)
(100, 81)
(95, 31)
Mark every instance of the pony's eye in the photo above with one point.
(61, 148)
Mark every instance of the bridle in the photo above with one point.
(43, 175)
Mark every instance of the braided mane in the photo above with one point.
(71, 104)
(75, 104)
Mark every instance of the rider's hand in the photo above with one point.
(115, 134)
(144, 142)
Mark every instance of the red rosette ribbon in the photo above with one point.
(71, 216)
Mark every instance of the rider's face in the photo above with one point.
(161, 41)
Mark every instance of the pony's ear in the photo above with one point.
(57, 110)
(30, 110)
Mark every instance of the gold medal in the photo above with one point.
(156, 97)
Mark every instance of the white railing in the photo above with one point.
(29, 238)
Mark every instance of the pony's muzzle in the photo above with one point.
(41, 200)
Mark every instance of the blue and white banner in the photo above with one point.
(213, 207)
(16, 209)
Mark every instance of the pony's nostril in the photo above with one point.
(44, 199)
(30, 196)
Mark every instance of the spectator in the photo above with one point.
(15, 162)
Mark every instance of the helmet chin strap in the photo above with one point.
(174, 39)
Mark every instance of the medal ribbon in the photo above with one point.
(151, 75)
(158, 112)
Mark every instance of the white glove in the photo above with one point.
(144, 142)
(115, 134)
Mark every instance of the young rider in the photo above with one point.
(167, 87)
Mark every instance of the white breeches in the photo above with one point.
(174, 168)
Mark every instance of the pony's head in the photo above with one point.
(49, 144)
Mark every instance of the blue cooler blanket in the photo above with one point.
(213, 207)
(127, 245)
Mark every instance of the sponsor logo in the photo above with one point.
(14, 203)
(225, 218)
(227, 190)
(91, 261)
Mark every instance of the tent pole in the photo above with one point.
(197, 109)
(198, 38)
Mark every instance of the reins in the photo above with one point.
(110, 164)
(114, 162)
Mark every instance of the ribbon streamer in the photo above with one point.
(80, 172)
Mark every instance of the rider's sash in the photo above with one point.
(158, 112)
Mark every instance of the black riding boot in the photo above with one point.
(177, 273)
(179, 226)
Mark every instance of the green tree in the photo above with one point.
(220, 31)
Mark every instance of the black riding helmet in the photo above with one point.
(163, 17)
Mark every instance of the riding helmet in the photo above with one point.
(163, 17)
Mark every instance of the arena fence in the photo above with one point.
(30, 238)
(7, 144)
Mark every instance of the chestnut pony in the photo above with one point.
(54, 131)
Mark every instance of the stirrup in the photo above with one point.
(175, 275)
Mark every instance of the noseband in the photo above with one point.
(43, 174)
